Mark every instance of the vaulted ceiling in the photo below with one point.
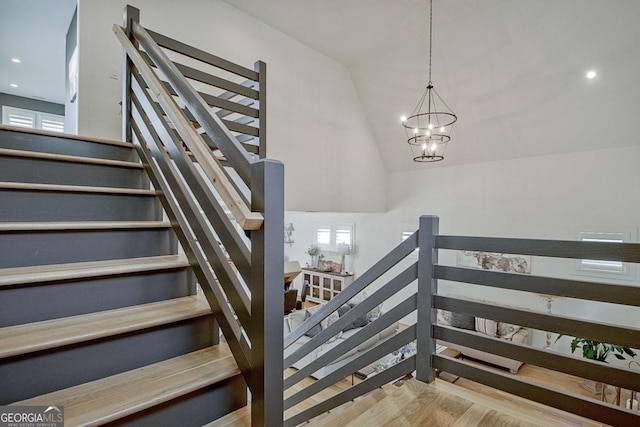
(512, 70)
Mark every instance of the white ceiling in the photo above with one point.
(35, 32)
(512, 70)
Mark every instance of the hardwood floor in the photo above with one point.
(462, 403)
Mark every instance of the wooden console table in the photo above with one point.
(324, 285)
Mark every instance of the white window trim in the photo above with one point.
(39, 119)
(333, 239)
(607, 269)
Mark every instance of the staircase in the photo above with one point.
(99, 312)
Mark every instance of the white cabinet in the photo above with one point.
(324, 285)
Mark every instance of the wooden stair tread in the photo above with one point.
(66, 158)
(74, 188)
(81, 225)
(111, 398)
(31, 337)
(77, 270)
(67, 136)
(238, 418)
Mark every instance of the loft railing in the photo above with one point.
(204, 150)
(426, 299)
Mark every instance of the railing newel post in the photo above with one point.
(130, 14)
(267, 295)
(427, 288)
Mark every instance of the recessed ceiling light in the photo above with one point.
(13, 85)
(16, 60)
(591, 74)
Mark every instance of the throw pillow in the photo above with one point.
(330, 320)
(295, 319)
(463, 321)
(359, 322)
(507, 330)
(313, 331)
(342, 310)
(443, 317)
(487, 327)
(375, 313)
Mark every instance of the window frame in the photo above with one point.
(606, 269)
(334, 230)
(37, 117)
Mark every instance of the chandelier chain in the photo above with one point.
(430, 35)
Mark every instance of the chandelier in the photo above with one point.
(429, 126)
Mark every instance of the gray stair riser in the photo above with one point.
(28, 206)
(19, 249)
(54, 369)
(44, 171)
(20, 304)
(195, 409)
(70, 147)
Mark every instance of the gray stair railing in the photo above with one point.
(616, 294)
(426, 300)
(367, 281)
(223, 198)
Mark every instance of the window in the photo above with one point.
(32, 119)
(602, 268)
(329, 236)
(405, 231)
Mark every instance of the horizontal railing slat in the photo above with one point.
(385, 264)
(227, 107)
(201, 55)
(245, 217)
(563, 325)
(190, 210)
(229, 327)
(377, 298)
(246, 102)
(351, 393)
(387, 319)
(239, 158)
(242, 128)
(604, 292)
(382, 349)
(234, 244)
(590, 408)
(202, 77)
(580, 367)
(232, 89)
(625, 252)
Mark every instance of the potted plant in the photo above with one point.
(596, 350)
(600, 351)
(313, 252)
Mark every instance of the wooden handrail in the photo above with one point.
(247, 219)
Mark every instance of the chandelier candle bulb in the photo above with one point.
(431, 112)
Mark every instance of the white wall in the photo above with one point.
(541, 197)
(316, 125)
(367, 247)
